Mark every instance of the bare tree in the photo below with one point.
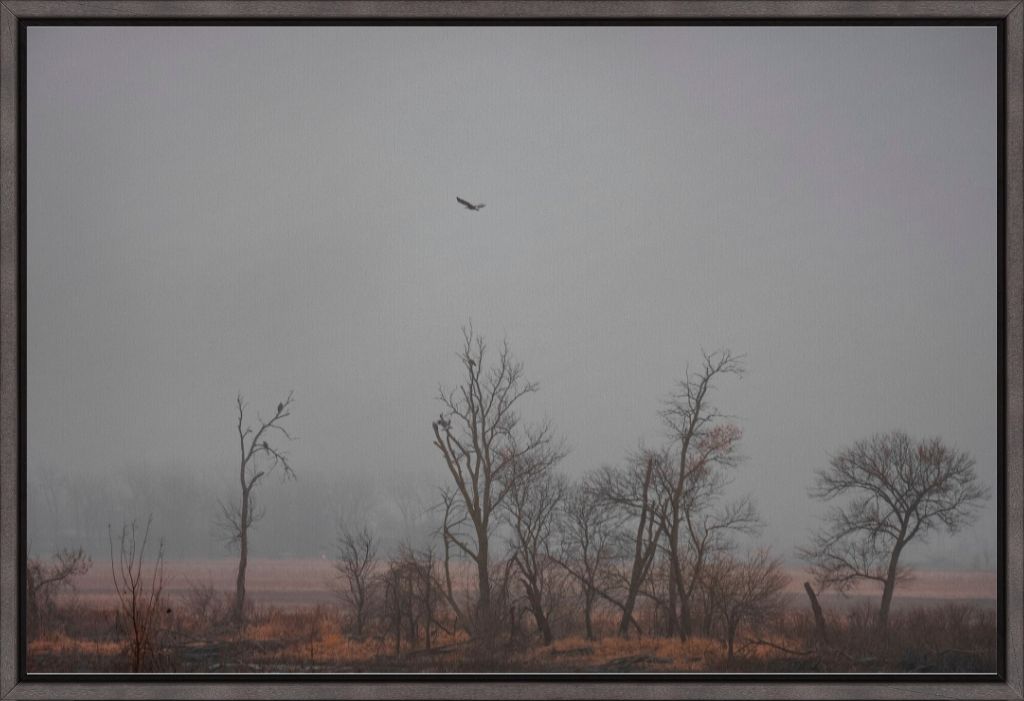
(748, 591)
(487, 450)
(588, 544)
(633, 491)
(704, 447)
(532, 515)
(44, 580)
(259, 456)
(355, 564)
(897, 490)
(412, 599)
(398, 602)
(139, 590)
(428, 599)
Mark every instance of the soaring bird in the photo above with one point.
(470, 205)
(280, 407)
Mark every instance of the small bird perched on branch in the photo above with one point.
(443, 423)
(280, 407)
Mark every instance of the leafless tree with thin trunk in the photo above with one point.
(487, 450)
(260, 455)
(355, 564)
(139, 589)
(703, 448)
(429, 602)
(398, 602)
(43, 581)
(748, 590)
(532, 514)
(897, 490)
(588, 546)
(413, 604)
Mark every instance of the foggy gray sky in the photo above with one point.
(215, 209)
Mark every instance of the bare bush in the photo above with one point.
(355, 564)
(139, 590)
(205, 604)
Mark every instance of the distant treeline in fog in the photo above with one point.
(68, 506)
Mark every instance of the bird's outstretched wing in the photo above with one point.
(463, 202)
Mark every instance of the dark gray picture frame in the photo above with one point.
(1010, 15)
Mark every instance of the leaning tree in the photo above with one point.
(896, 490)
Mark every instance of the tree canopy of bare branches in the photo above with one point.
(589, 544)
(45, 579)
(487, 450)
(260, 455)
(747, 591)
(532, 514)
(896, 489)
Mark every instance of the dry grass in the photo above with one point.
(950, 638)
(295, 625)
(577, 654)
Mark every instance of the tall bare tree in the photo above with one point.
(704, 447)
(260, 455)
(487, 450)
(896, 489)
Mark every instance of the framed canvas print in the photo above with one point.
(570, 350)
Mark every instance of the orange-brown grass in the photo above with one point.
(61, 643)
(614, 654)
(953, 637)
(295, 625)
(59, 652)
